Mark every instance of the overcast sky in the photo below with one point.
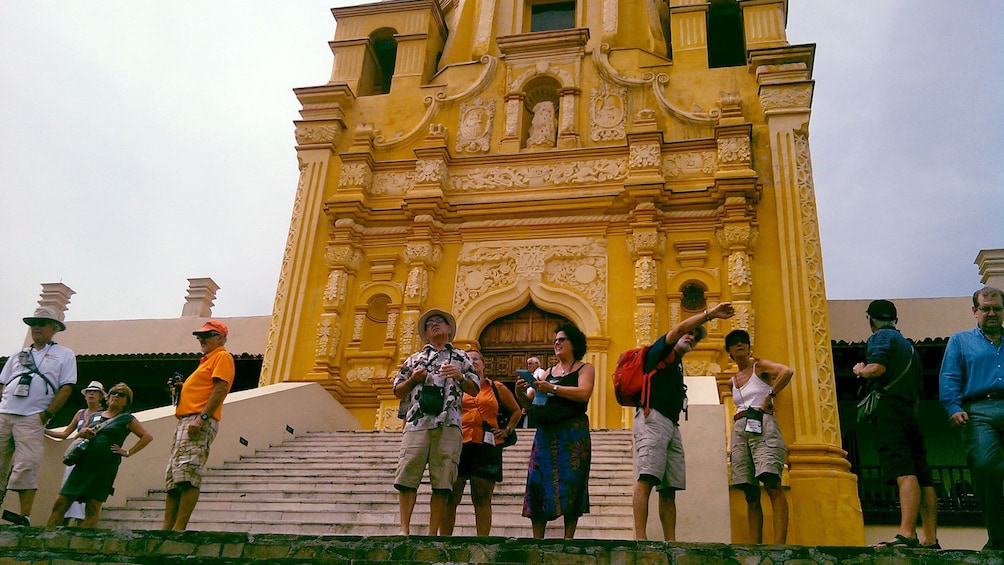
(145, 143)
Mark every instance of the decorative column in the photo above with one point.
(825, 505)
(342, 258)
(317, 137)
(645, 244)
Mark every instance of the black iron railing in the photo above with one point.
(956, 501)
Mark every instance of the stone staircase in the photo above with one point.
(341, 483)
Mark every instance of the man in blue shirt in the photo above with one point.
(972, 391)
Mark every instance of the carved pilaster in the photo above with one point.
(820, 473)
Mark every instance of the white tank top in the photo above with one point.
(752, 394)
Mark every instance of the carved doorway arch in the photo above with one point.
(507, 341)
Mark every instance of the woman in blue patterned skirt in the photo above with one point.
(557, 482)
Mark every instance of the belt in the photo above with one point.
(992, 395)
(739, 416)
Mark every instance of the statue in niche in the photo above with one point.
(543, 126)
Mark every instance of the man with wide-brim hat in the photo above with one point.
(36, 383)
(199, 410)
(430, 384)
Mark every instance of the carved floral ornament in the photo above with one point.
(310, 133)
(646, 241)
(423, 253)
(734, 150)
(740, 273)
(575, 264)
(644, 155)
(344, 256)
(789, 96)
(737, 236)
(573, 173)
(430, 171)
(355, 175)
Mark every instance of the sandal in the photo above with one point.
(899, 541)
(934, 545)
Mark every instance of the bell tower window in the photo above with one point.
(550, 16)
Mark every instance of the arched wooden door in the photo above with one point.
(508, 341)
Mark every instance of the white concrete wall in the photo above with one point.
(259, 415)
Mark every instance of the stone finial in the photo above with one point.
(201, 295)
(56, 296)
(991, 264)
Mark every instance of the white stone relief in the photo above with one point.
(323, 333)
(644, 273)
(366, 374)
(392, 184)
(607, 113)
(355, 175)
(797, 96)
(740, 273)
(430, 170)
(334, 291)
(317, 133)
(577, 264)
(391, 326)
(734, 150)
(543, 126)
(414, 286)
(357, 326)
(408, 333)
(644, 324)
(538, 176)
(474, 132)
(689, 164)
(644, 155)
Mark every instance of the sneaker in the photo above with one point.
(899, 541)
(16, 519)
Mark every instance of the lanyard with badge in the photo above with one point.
(754, 417)
(27, 360)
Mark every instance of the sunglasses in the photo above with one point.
(558, 340)
(207, 336)
(436, 320)
(118, 393)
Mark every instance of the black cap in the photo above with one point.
(737, 336)
(882, 310)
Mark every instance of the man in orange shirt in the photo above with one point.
(199, 409)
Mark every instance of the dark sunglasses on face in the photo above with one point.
(118, 393)
(436, 320)
(206, 336)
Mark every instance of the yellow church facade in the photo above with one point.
(620, 165)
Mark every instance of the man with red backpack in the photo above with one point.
(658, 444)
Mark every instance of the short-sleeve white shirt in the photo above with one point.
(56, 362)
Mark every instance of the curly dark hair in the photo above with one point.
(574, 335)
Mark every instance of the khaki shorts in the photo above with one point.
(189, 455)
(439, 448)
(755, 455)
(21, 439)
(659, 450)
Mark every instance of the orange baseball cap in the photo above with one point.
(212, 326)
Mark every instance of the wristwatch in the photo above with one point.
(203, 417)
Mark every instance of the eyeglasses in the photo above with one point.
(118, 393)
(558, 340)
(988, 309)
(436, 320)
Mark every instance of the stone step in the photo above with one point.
(340, 483)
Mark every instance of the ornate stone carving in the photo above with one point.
(813, 263)
(392, 184)
(329, 333)
(417, 284)
(334, 291)
(575, 264)
(740, 273)
(607, 111)
(355, 175)
(644, 155)
(357, 326)
(644, 325)
(474, 132)
(695, 367)
(647, 241)
(366, 374)
(734, 150)
(424, 253)
(391, 326)
(689, 164)
(736, 236)
(644, 273)
(408, 332)
(430, 171)
(307, 133)
(789, 96)
(744, 317)
(538, 176)
(543, 126)
(512, 105)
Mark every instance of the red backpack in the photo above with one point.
(632, 385)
